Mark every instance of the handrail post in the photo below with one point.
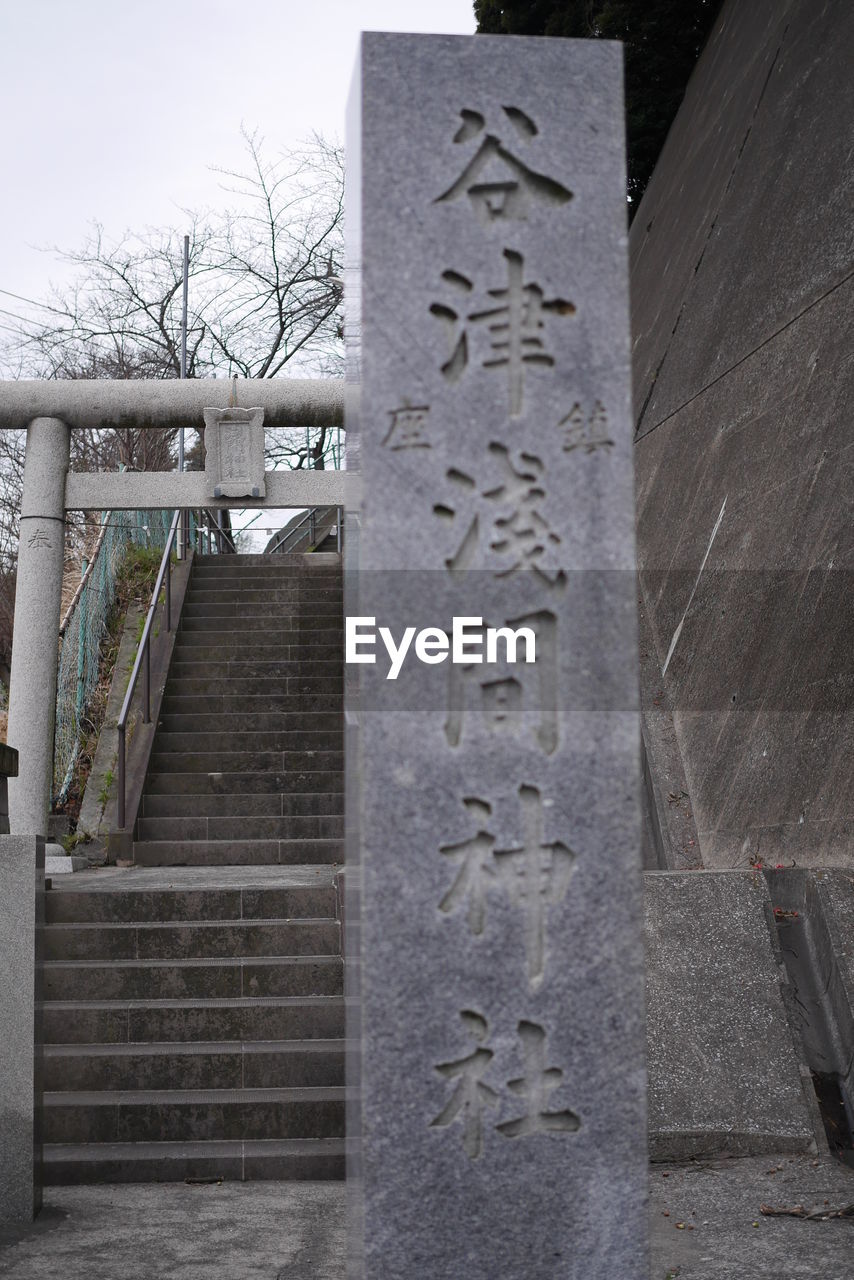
(338, 528)
(121, 778)
(169, 592)
(146, 683)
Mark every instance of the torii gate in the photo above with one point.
(52, 410)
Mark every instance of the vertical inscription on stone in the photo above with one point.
(495, 846)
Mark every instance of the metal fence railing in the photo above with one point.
(84, 625)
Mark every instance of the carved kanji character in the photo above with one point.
(515, 326)
(519, 532)
(535, 876)
(498, 184)
(471, 1095)
(475, 874)
(505, 701)
(586, 431)
(408, 428)
(535, 1086)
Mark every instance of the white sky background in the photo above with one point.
(115, 110)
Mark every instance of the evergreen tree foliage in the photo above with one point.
(662, 38)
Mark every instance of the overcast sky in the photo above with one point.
(115, 109)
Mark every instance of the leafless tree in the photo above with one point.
(264, 291)
(264, 301)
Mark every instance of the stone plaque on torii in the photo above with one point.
(234, 452)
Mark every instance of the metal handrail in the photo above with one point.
(217, 533)
(311, 517)
(143, 660)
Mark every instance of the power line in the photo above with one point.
(32, 302)
(14, 315)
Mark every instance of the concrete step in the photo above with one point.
(229, 703)
(260, 578)
(244, 668)
(272, 804)
(293, 561)
(191, 939)
(288, 586)
(264, 609)
(318, 572)
(202, 784)
(289, 628)
(259, 827)
(297, 1159)
(311, 563)
(234, 853)
(243, 761)
(223, 1064)
(295, 686)
(249, 740)
(193, 1115)
(232, 722)
(256, 593)
(215, 904)
(187, 649)
(189, 1021)
(232, 639)
(209, 979)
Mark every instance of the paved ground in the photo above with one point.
(725, 1236)
(296, 1231)
(235, 1231)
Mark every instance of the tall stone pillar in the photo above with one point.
(35, 640)
(21, 1012)
(496, 998)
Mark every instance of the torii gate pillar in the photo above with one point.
(38, 602)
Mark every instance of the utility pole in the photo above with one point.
(183, 537)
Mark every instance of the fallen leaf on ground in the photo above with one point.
(814, 1215)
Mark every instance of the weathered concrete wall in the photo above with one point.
(742, 276)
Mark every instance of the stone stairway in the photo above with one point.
(248, 752)
(193, 1004)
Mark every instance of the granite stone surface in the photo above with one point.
(724, 1073)
(21, 943)
(156, 402)
(494, 888)
(234, 453)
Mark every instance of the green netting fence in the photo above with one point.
(84, 625)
